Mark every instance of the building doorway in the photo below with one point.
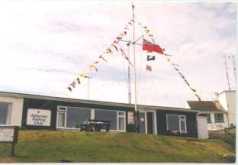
(147, 122)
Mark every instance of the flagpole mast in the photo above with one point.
(134, 56)
(234, 68)
(88, 90)
(129, 75)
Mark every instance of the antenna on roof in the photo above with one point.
(227, 73)
(234, 68)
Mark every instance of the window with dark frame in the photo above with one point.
(209, 118)
(219, 117)
(4, 111)
(176, 123)
(72, 117)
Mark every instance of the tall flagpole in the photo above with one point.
(129, 74)
(88, 88)
(134, 56)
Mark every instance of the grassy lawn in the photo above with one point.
(54, 146)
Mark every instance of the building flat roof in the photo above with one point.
(104, 103)
(214, 106)
(227, 91)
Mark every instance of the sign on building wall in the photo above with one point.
(130, 116)
(9, 134)
(38, 117)
(6, 134)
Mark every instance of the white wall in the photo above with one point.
(202, 127)
(16, 108)
(228, 101)
(217, 126)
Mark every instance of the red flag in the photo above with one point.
(150, 47)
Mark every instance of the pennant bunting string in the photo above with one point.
(183, 77)
(107, 51)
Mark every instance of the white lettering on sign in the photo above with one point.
(6, 134)
(38, 117)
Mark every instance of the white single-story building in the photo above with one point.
(227, 99)
(217, 117)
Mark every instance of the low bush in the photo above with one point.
(230, 137)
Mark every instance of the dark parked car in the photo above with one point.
(95, 125)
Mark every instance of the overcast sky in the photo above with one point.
(44, 44)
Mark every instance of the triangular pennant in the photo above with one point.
(78, 80)
(147, 31)
(96, 62)
(73, 84)
(84, 75)
(93, 67)
(70, 89)
(103, 58)
(115, 47)
(148, 68)
(115, 41)
(119, 38)
(108, 50)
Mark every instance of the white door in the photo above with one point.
(182, 124)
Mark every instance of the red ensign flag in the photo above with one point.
(150, 47)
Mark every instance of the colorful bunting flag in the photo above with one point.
(108, 50)
(93, 67)
(84, 75)
(73, 84)
(125, 56)
(116, 41)
(78, 80)
(70, 89)
(119, 38)
(96, 62)
(148, 68)
(147, 31)
(115, 47)
(101, 57)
